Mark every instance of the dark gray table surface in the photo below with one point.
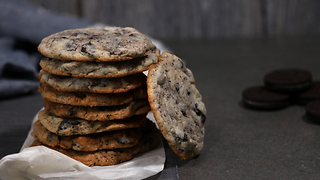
(239, 143)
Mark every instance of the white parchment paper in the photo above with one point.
(44, 163)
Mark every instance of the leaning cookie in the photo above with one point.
(100, 113)
(99, 69)
(177, 105)
(72, 126)
(91, 99)
(92, 142)
(92, 44)
(94, 85)
(150, 140)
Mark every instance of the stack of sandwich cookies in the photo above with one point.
(281, 88)
(95, 95)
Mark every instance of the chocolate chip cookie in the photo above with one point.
(91, 142)
(99, 69)
(91, 99)
(94, 85)
(177, 105)
(92, 44)
(100, 113)
(150, 140)
(74, 126)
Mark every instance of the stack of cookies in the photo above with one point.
(95, 95)
(282, 87)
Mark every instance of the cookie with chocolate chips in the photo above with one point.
(99, 69)
(177, 105)
(92, 44)
(100, 113)
(91, 99)
(94, 85)
(91, 142)
(75, 126)
(150, 140)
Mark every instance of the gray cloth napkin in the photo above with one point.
(22, 27)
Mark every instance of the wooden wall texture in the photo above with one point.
(199, 18)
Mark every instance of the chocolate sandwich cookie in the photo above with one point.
(313, 111)
(313, 93)
(259, 97)
(149, 140)
(74, 126)
(100, 113)
(91, 99)
(92, 44)
(99, 69)
(94, 85)
(288, 80)
(177, 105)
(91, 142)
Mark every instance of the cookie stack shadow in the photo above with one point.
(284, 87)
(95, 105)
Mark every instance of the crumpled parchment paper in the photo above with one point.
(44, 163)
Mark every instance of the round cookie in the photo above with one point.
(99, 69)
(72, 126)
(94, 85)
(313, 111)
(258, 97)
(177, 105)
(92, 142)
(311, 94)
(92, 44)
(100, 113)
(288, 80)
(150, 140)
(91, 99)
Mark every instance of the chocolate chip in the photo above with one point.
(88, 49)
(180, 139)
(83, 49)
(199, 113)
(184, 113)
(71, 45)
(185, 138)
(177, 89)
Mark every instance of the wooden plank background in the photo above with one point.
(199, 18)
